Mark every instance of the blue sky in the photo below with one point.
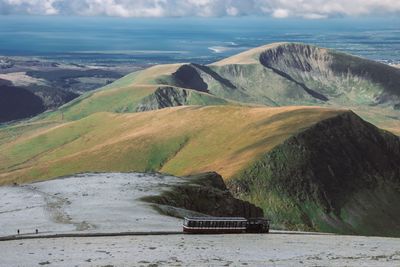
(308, 9)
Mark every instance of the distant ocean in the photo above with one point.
(151, 41)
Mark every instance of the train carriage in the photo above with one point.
(224, 225)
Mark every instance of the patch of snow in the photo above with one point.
(204, 250)
(108, 202)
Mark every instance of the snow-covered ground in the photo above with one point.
(106, 203)
(86, 203)
(204, 250)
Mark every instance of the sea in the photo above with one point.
(109, 40)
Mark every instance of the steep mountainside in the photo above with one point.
(341, 174)
(332, 76)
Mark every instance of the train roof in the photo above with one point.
(216, 218)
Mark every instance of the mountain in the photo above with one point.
(340, 175)
(290, 127)
(281, 74)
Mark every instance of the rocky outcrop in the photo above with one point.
(188, 76)
(164, 97)
(168, 96)
(206, 194)
(328, 177)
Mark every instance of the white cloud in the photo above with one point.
(310, 9)
(280, 13)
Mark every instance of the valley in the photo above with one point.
(47, 85)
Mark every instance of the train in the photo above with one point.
(225, 225)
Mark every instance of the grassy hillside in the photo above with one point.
(176, 140)
(340, 175)
(131, 98)
(281, 74)
(143, 90)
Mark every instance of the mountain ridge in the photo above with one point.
(279, 74)
(286, 125)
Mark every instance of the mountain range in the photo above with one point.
(292, 128)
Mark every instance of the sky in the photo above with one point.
(280, 9)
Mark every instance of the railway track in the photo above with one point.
(64, 235)
(152, 233)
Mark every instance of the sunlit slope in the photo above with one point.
(133, 98)
(176, 140)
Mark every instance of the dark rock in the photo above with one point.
(207, 194)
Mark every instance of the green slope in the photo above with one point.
(340, 175)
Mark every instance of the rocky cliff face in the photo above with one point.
(167, 96)
(329, 75)
(341, 175)
(206, 194)
(164, 97)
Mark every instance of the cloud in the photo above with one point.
(280, 13)
(309, 9)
